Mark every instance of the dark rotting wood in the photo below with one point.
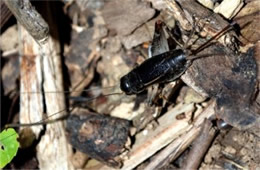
(231, 79)
(101, 137)
(5, 14)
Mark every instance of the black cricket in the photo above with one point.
(164, 67)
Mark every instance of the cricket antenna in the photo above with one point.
(47, 121)
(193, 56)
(41, 122)
(69, 91)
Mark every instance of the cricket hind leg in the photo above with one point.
(174, 41)
(175, 35)
(160, 45)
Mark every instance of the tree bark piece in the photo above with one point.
(101, 137)
(29, 18)
(220, 76)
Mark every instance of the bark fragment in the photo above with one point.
(101, 137)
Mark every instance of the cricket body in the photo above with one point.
(163, 67)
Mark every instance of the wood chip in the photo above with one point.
(125, 16)
(229, 8)
(139, 36)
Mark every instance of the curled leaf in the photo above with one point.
(9, 146)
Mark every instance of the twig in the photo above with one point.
(28, 17)
(172, 151)
(178, 14)
(200, 147)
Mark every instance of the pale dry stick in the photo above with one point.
(43, 67)
(235, 164)
(53, 145)
(31, 106)
(59, 151)
(173, 150)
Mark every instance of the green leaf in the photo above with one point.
(9, 146)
